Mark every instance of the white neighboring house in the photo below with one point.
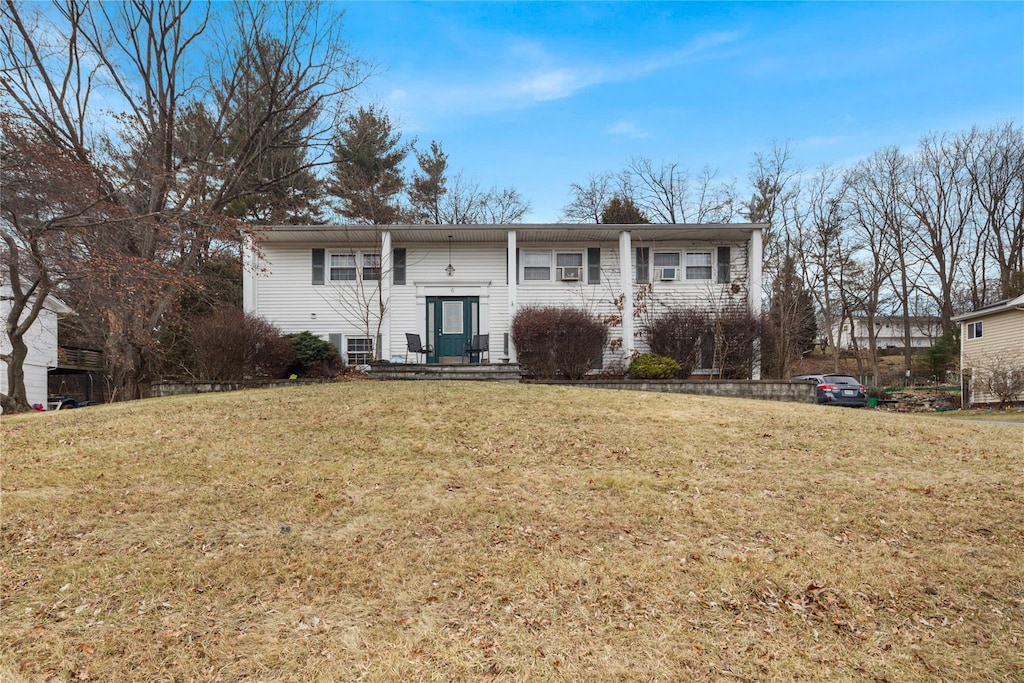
(41, 340)
(889, 334)
(364, 287)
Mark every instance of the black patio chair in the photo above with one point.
(477, 347)
(413, 344)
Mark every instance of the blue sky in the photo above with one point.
(540, 95)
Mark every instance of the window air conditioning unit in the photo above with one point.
(569, 273)
(666, 274)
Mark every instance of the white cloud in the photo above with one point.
(524, 74)
(822, 141)
(627, 129)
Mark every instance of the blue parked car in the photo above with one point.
(66, 403)
(837, 390)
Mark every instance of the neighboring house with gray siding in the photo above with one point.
(990, 337)
(365, 287)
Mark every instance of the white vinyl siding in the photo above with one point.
(479, 272)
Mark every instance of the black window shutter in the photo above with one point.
(517, 265)
(398, 266)
(643, 261)
(318, 266)
(335, 340)
(594, 265)
(724, 265)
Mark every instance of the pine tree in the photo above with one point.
(622, 211)
(367, 173)
(429, 185)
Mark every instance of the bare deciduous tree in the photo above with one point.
(465, 203)
(202, 123)
(996, 168)
(941, 200)
(589, 199)
(48, 199)
(668, 194)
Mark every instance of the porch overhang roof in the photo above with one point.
(525, 233)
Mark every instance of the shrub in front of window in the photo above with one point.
(314, 357)
(1001, 375)
(736, 335)
(677, 335)
(557, 342)
(228, 344)
(653, 366)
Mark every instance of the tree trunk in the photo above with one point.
(16, 400)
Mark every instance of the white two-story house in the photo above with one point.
(365, 287)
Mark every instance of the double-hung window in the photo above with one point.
(371, 266)
(536, 265)
(343, 267)
(643, 265)
(351, 267)
(698, 265)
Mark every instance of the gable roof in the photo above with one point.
(998, 307)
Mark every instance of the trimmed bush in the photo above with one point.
(736, 335)
(558, 342)
(677, 335)
(314, 357)
(653, 366)
(229, 344)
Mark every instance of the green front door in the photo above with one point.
(451, 324)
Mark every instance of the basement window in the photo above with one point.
(359, 351)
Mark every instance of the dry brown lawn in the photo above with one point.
(428, 531)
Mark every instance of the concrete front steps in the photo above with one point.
(484, 372)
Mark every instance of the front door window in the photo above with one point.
(453, 318)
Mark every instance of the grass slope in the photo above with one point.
(426, 531)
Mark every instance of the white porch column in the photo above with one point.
(512, 273)
(386, 266)
(755, 286)
(626, 283)
(250, 270)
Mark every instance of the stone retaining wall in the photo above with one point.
(767, 390)
(181, 388)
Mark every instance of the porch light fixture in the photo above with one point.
(450, 269)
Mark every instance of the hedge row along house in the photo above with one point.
(365, 287)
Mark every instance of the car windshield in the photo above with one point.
(840, 379)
